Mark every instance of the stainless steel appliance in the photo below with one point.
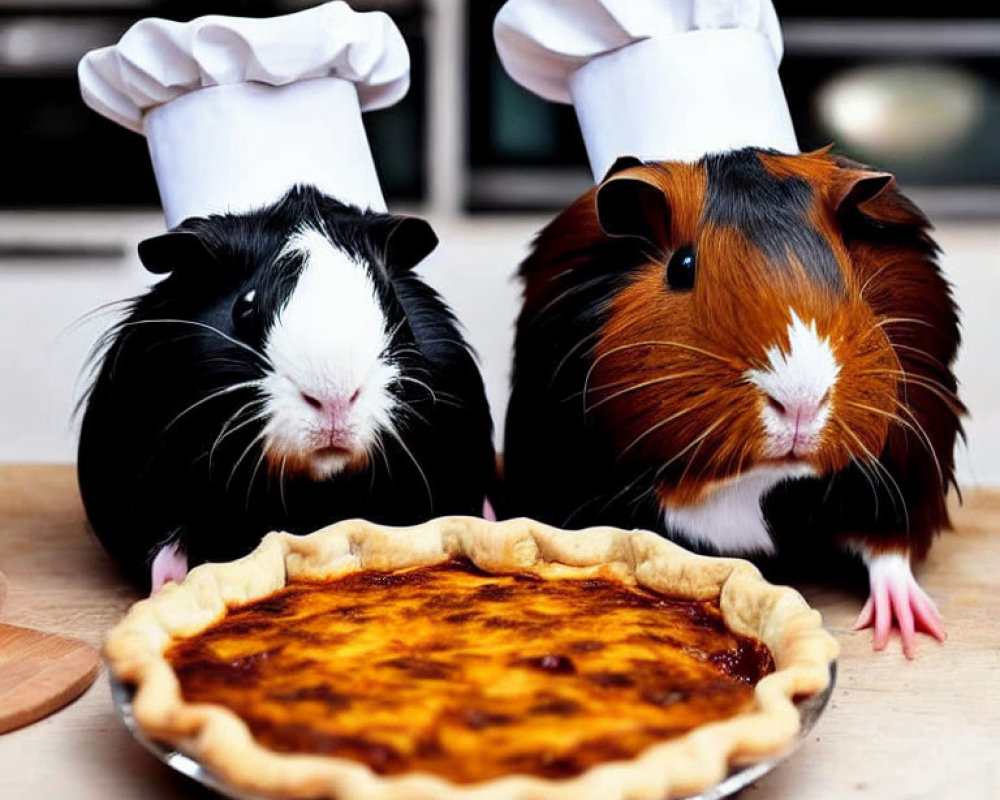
(917, 94)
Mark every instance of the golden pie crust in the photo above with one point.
(162, 645)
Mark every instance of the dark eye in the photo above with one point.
(243, 308)
(681, 269)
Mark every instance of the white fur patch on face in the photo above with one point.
(328, 392)
(730, 518)
(801, 380)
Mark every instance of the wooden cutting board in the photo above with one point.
(40, 673)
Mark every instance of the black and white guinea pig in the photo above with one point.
(291, 370)
(751, 354)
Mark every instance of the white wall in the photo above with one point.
(43, 344)
(972, 262)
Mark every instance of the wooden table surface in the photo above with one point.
(929, 728)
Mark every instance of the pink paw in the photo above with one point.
(488, 513)
(170, 564)
(896, 596)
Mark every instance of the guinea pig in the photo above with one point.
(289, 371)
(752, 355)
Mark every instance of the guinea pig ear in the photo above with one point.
(173, 250)
(857, 186)
(409, 241)
(632, 206)
(622, 163)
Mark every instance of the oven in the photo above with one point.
(917, 95)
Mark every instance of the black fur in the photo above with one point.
(557, 467)
(151, 465)
(770, 211)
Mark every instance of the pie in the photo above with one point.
(463, 658)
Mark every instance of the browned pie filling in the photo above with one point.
(471, 676)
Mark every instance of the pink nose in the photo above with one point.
(334, 407)
(798, 413)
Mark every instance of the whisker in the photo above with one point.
(729, 463)
(860, 464)
(878, 465)
(565, 522)
(220, 393)
(380, 448)
(910, 377)
(256, 467)
(739, 458)
(936, 361)
(402, 444)
(202, 325)
(687, 466)
(650, 492)
(651, 343)
(396, 330)
(375, 448)
(920, 434)
(946, 395)
(408, 351)
(601, 388)
(636, 387)
(416, 382)
(224, 434)
(408, 409)
(697, 440)
(246, 451)
(412, 368)
(899, 364)
(607, 503)
(281, 482)
(871, 277)
(668, 343)
(569, 353)
(903, 320)
(642, 474)
(105, 309)
(574, 289)
(923, 435)
(879, 411)
(232, 418)
(656, 427)
(874, 462)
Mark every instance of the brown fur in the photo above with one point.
(700, 345)
(667, 380)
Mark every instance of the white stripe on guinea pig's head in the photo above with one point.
(328, 392)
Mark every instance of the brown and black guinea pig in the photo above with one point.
(751, 354)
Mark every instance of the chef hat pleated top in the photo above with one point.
(668, 80)
(236, 111)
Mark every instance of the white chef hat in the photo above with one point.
(236, 110)
(656, 79)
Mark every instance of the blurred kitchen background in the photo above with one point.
(486, 162)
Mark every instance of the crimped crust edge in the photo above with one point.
(691, 763)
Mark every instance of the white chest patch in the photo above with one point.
(730, 518)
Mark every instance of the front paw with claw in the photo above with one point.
(896, 597)
(169, 564)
